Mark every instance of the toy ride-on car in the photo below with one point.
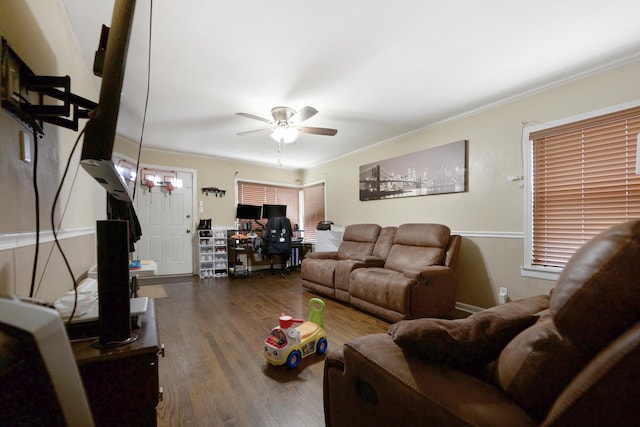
(287, 345)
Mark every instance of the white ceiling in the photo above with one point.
(374, 69)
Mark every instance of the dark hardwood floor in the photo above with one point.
(213, 372)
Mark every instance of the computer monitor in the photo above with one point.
(100, 131)
(248, 212)
(272, 211)
(38, 372)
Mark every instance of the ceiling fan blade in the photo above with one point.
(303, 114)
(251, 116)
(319, 131)
(253, 131)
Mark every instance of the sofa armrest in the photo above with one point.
(373, 382)
(433, 293)
(322, 255)
(424, 274)
(370, 260)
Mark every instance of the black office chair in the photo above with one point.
(277, 240)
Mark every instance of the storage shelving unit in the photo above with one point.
(220, 257)
(206, 253)
(212, 252)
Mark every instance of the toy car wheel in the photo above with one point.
(293, 359)
(322, 345)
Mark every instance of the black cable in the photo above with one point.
(146, 102)
(54, 229)
(37, 203)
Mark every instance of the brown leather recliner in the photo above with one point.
(327, 273)
(418, 278)
(569, 360)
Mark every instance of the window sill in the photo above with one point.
(544, 273)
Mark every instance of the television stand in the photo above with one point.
(122, 382)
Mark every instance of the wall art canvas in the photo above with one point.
(436, 170)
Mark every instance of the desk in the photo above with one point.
(122, 382)
(298, 251)
(239, 248)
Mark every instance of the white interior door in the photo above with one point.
(167, 226)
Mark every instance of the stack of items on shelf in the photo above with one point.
(212, 250)
(220, 246)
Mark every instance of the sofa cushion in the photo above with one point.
(400, 257)
(382, 287)
(354, 250)
(469, 343)
(358, 241)
(384, 242)
(436, 235)
(362, 232)
(418, 246)
(320, 271)
(536, 366)
(597, 295)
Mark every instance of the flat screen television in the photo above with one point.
(96, 159)
(100, 131)
(272, 211)
(248, 212)
(38, 372)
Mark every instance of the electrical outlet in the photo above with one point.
(503, 296)
(25, 146)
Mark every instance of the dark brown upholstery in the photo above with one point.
(327, 273)
(417, 279)
(577, 365)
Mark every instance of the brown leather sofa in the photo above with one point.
(327, 273)
(571, 359)
(418, 278)
(395, 273)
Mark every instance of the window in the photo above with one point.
(313, 201)
(304, 204)
(582, 181)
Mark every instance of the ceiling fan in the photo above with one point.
(285, 124)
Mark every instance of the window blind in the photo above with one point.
(584, 181)
(313, 209)
(254, 193)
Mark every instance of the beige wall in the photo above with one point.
(39, 32)
(490, 215)
(493, 207)
(211, 172)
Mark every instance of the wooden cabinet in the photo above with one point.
(122, 382)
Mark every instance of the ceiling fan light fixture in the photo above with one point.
(285, 126)
(278, 134)
(285, 134)
(290, 135)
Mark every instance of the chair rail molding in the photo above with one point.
(19, 240)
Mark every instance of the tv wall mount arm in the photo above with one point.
(24, 94)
